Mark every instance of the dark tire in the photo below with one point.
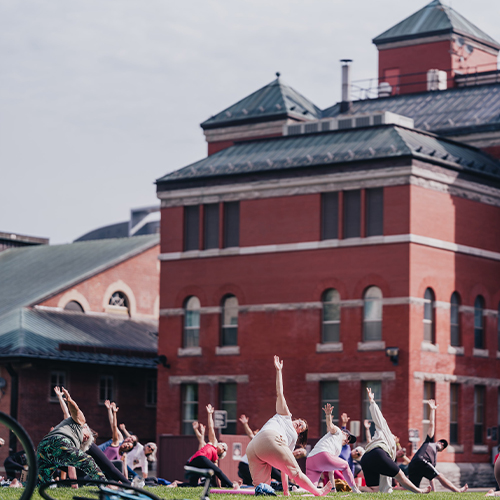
(27, 445)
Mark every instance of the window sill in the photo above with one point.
(228, 350)
(188, 351)
(480, 448)
(372, 345)
(456, 350)
(480, 353)
(455, 448)
(330, 347)
(427, 346)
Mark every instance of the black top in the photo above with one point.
(427, 452)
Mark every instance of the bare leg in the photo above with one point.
(448, 484)
(407, 484)
(304, 482)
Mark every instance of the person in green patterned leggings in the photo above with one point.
(66, 444)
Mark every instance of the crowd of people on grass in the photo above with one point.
(270, 464)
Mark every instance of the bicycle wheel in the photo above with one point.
(23, 437)
(103, 491)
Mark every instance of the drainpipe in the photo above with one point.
(345, 104)
(14, 401)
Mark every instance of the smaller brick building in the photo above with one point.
(83, 316)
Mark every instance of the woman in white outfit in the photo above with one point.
(273, 446)
(378, 462)
(324, 457)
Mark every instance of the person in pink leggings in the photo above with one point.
(273, 446)
(324, 457)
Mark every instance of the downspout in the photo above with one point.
(14, 402)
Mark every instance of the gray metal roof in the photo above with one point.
(272, 102)
(78, 337)
(30, 274)
(441, 112)
(330, 148)
(435, 18)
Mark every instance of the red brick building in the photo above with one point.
(358, 243)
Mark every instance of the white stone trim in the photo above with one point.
(294, 306)
(183, 352)
(227, 350)
(350, 376)
(208, 379)
(456, 350)
(371, 345)
(247, 131)
(481, 353)
(350, 242)
(480, 448)
(119, 286)
(455, 448)
(74, 295)
(439, 304)
(330, 347)
(456, 379)
(427, 346)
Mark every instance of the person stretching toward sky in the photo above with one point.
(325, 455)
(378, 462)
(423, 464)
(273, 445)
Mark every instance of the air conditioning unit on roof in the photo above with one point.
(437, 80)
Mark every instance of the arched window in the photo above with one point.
(372, 314)
(478, 323)
(330, 331)
(73, 305)
(455, 340)
(119, 303)
(229, 321)
(429, 317)
(192, 322)
(498, 334)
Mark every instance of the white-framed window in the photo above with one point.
(192, 322)
(329, 394)
(429, 393)
(151, 391)
(119, 303)
(106, 388)
(57, 379)
(376, 387)
(372, 314)
(429, 317)
(479, 323)
(455, 337)
(228, 396)
(189, 394)
(479, 391)
(229, 329)
(454, 413)
(330, 327)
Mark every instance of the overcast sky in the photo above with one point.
(98, 98)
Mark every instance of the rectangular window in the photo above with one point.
(231, 224)
(376, 387)
(429, 393)
(352, 214)
(189, 408)
(211, 226)
(106, 388)
(478, 414)
(374, 212)
(57, 379)
(454, 324)
(191, 228)
(228, 393)
(329, 394)
(454, 392)
(329, 216)
(151, 391)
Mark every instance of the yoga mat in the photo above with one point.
(245, 491)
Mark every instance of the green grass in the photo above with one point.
(194, 494)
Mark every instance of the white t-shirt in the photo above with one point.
(137, 458)
(282, 425)
(329, 443)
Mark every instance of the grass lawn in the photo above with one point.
(194, 494)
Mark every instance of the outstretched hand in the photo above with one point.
(66, 393)
(328, 409)
(114, 407)
(202, 429)
(210, 409)
(432, 404)
(367, 424)
(195, 424)
(277, 363)
(243, 419)
(107, 404)
(371, 396)
(58, 392)
(344, 419)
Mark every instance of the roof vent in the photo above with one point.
(436, 79)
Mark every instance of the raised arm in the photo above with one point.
(74, 411)
(212, 438)
(281, 406)
(115, 433)
(124, 430)
(344, 419)
(330, 426)
(64, 408)
(368, 434)
(199, 430)
(432, 418)
(244, 420)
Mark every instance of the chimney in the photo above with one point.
(345, 104)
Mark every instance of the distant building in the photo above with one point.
(11, 240)
(83, 316)
(358, 242)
